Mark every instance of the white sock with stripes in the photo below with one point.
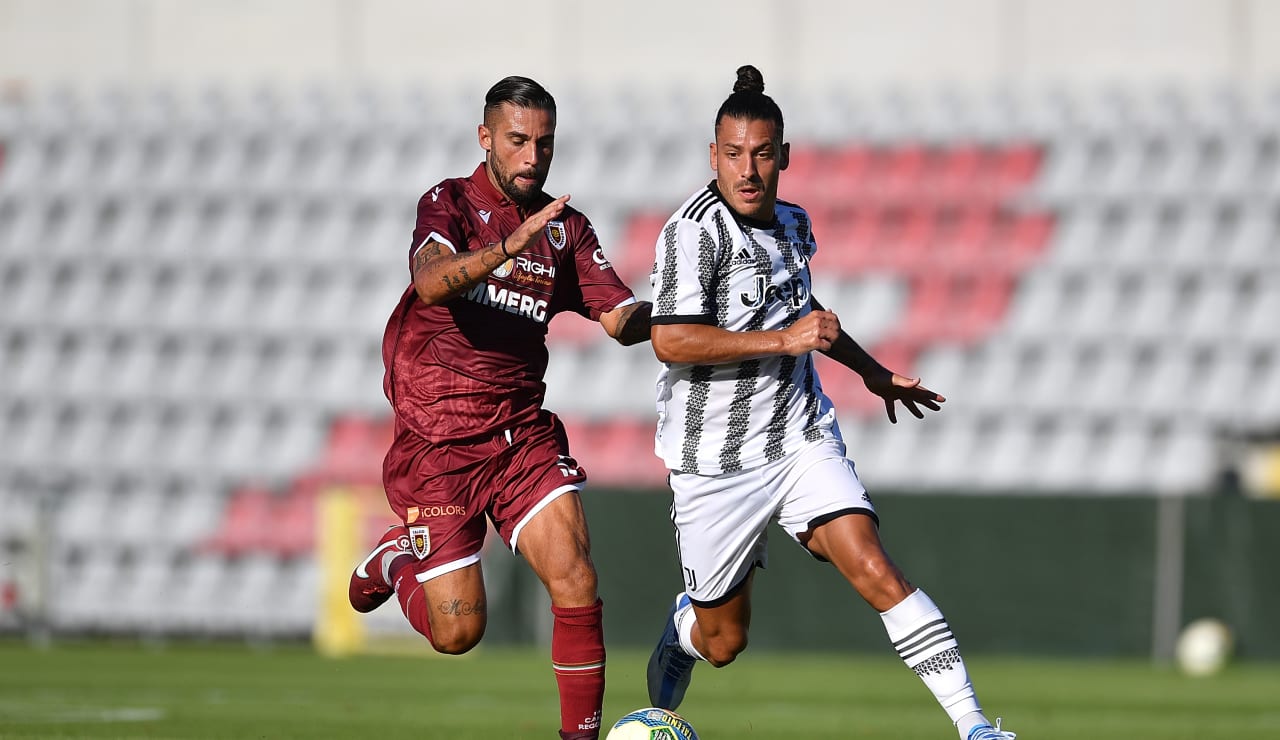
(924, 642)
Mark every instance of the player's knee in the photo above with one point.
(455, 639)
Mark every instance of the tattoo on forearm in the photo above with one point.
(452, 283)
(492, 258)
(429, 251)
(432, 262)
(460, 608)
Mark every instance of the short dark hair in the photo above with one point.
(749, 101)
(521, 92)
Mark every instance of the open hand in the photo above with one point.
(894, 388)
(528, 232)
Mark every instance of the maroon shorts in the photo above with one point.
(444, 492)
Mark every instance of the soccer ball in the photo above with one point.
(1204, 647)
(652, 723)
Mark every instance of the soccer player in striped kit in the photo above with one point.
(746, 430)
(493, 259)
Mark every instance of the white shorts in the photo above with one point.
(721, 520)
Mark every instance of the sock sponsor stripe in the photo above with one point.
(580, 668)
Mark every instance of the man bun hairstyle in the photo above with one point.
(749, 101)
(749, 80)
(521, 92)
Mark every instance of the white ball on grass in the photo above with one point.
(1204, 647)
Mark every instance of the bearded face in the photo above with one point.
(519, 143)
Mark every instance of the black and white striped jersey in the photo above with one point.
(717, 268)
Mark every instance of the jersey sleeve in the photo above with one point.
(601, 288)
(810, 240)
(684, 278)
(439, 219)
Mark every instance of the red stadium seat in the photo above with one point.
(633, 461)
(807, 179)
(906, 239)
(1014, 169)
(354, 452)
(848, 241)
(634, 260)
(1025, 239)
(899, 178)
(986, 301)
(293, 529)
(246, 523)
(851, 173)
(967, 239)
(929, 308)
(616, 452)
(955, 171)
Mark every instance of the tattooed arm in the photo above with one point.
(439, 274)
(628, 324)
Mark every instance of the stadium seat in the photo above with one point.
(1257, 325)
(1066, 458)
(1186, 462)
(293, 529)
(246, 524)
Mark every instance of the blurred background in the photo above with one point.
(1063, 215)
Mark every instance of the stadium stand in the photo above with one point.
(193, 289)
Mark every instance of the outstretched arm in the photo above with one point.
(439, 274)
(628, 324)
(880, 380)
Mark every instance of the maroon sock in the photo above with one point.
(577, 655)
(413, 602)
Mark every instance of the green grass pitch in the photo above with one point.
(102, 690)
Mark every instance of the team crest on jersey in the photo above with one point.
(504, 269)
(557, 234)
(420, 541)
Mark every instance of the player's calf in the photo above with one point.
(722, 646)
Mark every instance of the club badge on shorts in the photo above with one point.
(420, 541)
(557, 234)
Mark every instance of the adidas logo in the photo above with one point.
(743, 255)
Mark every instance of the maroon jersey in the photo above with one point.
(474, 365)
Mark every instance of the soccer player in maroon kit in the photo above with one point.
(493, 259)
